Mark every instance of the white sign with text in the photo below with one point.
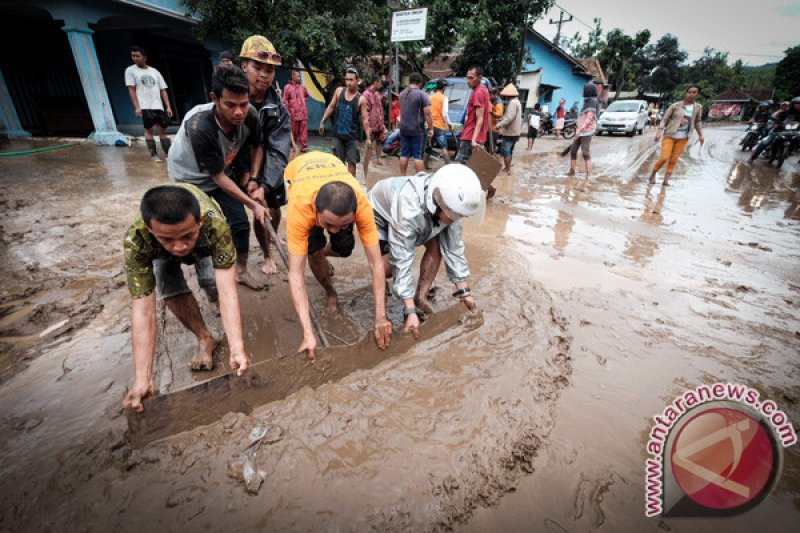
(409, 25)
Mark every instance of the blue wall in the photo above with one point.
(556, 70)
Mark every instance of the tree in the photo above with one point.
(663, 62)
(712, 73)
(618, 52)
(594, 42)
(787, 75)
(329, 35)
(492, 34)
(323, 34)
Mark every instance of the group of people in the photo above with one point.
(233, 154)
(773, 123)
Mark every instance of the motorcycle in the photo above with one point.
(786, 142)
(547, 126)
(755, 132)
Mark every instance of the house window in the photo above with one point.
(547, 96)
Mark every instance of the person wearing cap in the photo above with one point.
(259, 58)
(498, 109)
(509, 126)
(324, 196)
(346, 107)
(214, 150)
(425, 209)
(295, 96)
(440, 113)
(225, 59)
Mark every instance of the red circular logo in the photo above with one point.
(722, 458)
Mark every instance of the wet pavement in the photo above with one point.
(601, 301)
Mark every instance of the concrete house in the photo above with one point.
(549, 73)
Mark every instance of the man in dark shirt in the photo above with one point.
(259, 58)
(208, 152)
(415, 112)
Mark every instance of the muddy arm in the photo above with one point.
(231, 317)
(143, 339)
(297, 290)
(382, 329)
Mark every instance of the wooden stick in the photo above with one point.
(285, 258)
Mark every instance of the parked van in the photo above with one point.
(623, 116)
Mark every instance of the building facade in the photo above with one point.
(63, 64)
(548, 73)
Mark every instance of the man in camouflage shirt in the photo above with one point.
(179, 224)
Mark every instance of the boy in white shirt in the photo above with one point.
(147, 89)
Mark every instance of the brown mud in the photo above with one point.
(600, 301)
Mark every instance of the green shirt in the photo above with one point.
(141, 248)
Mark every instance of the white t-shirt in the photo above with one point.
(148, 82)
(683, 129)
(534, 120)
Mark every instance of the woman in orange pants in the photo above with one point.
(677, 125)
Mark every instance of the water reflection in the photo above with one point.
(641, 245)
(565, 220)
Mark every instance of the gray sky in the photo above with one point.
(755, 32)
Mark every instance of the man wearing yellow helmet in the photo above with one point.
(259, 58)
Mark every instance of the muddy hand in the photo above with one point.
(239, 362)
(260, 212)
(470, 302)
(309, 345)
(412, 325)
(137, 393)
(382, 332)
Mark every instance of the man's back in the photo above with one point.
(437, 110)
(412, 103)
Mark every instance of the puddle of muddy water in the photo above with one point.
(648, 292)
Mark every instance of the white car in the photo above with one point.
(623, 116)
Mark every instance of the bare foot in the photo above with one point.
(379, 162)
(269, 267)
(332, 307)
(204, 359)
(248, 280)
(423, 305)
(652, 178)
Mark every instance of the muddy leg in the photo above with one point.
(185, 308)
(322, 270)
(427, 273)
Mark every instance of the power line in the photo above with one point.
(559, 6)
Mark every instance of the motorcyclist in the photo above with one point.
(789, 112)
(760, 119)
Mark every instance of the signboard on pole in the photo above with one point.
(409, 25)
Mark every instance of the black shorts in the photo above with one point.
(532, 132)
(346, 150)
(342, 243)
(151, 117)
(276, 197)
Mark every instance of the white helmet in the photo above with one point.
(460, 189)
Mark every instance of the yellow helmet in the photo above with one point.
(258, 48)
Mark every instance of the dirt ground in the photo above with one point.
(600, 302)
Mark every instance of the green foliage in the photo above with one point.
(787, 75)
(713, 74)
(618, 57)
(330, 35)
(323, 34)
(492, 35)
(594, 42)
(661, 64)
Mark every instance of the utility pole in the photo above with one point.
(561, 20)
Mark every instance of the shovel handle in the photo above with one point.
(285, 258)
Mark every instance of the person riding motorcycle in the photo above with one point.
(789, 112)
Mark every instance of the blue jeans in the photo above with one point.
(440, 136)
(171, 282)
(237, 219)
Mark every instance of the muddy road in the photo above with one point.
(600, 302)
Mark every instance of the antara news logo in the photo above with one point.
(716, 450)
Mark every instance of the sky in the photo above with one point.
(755, 32)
